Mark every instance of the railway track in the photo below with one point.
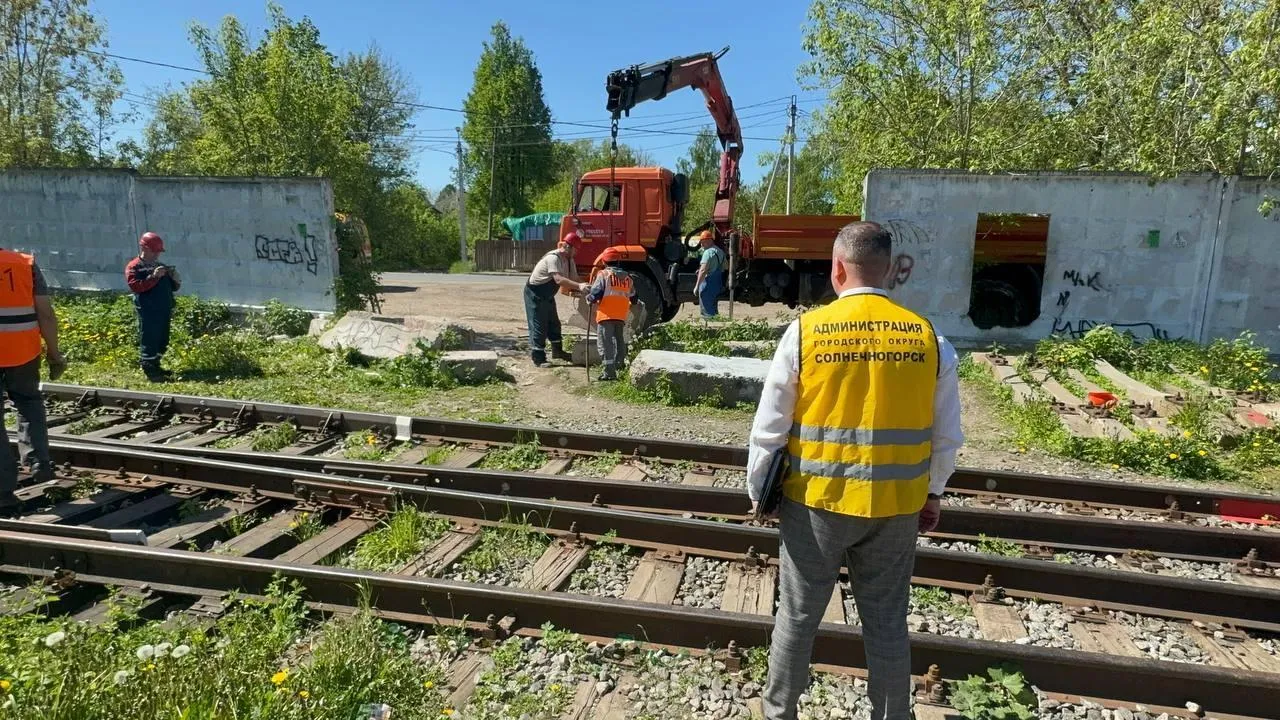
(676, 572)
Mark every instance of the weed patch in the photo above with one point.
(502, 546)
(364, 445)
(597, 465)
(1005, 696)
(524, 456)
(403, 537)
(939, 600)
(438, 455)
(305, 526)
(997, 546)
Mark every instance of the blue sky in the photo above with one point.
(575, 44)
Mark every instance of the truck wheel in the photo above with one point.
(647, 293)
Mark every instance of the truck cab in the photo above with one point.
(639, 211)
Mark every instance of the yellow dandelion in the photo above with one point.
(447, 712)
(304, 694)
(5, 685)
(280, 677)
(1115, 467)
(1186, 433)
(1173, 456)
(1202, 453)
(370, 440)
(293, 526)
(150, 667)
(1255, 444)
(428, 684)
(555, 688)
(1204, 369)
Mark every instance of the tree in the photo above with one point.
(381, 118)
(56, 92)
(702, 164)
(507, 130)
(572, 159)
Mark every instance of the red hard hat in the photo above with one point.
(610, 254)
(571, 238)
(151, 241)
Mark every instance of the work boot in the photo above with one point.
(608, 374)
(154, 372)
(560, 353)
(9, 504)
(539, 360)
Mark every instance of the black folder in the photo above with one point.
(771, 496)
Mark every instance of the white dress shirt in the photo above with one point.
(774, 415)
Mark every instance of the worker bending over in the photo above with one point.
(153, 285)
(864, 396)
(26, 318)
(611, 293)
(555, 270)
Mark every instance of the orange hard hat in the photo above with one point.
(571, 238)
(610, 254)
(151, 241)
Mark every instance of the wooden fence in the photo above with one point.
(498, 255)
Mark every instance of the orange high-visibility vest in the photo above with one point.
(616, 303)
(19, 331)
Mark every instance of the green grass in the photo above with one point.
(939, 600)
(365, 445)
(400, 539)
(305, 526)
(499, 547)
(997, 546)
(438, 455)
(506, 689)
(462, 267)
(245, 666)
(597, 465)
(522, 457)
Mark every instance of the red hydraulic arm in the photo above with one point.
(631, 86)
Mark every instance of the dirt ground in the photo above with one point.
(561, 397)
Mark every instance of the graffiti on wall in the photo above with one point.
(1078, 279)
(906, 232)
(1075, 329)
(287, 250)
(900, 271)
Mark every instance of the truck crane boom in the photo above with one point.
(640, 83)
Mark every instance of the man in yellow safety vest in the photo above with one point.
(864, 396)
(26, 318)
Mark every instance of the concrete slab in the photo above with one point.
(731, 380)
(471, 364)
(580, 349)
(378, 336)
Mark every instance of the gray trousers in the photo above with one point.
(880, 554)
(22, 384)
(613, 344)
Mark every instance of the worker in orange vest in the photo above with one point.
(611, 293)
(26, 317)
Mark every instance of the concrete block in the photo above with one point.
(387, 337)
(731, 380)
(471, 364)
(580, 349)
(317, 326)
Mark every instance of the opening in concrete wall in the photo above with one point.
(1008, 269)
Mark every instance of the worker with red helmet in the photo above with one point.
(611, 293)
(26, 319)
(153, 285)
(555, 270)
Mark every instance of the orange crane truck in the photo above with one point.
(640, 210)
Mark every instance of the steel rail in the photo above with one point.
(1055, 487)
(1239, 604)
(1089, 674)
(1225, 544)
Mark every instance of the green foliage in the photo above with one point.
(305, 525)
(416, 236)
(507, 130)
(438, 455)
(419, 369)
(245, 666)
(277, 318)
(1006, 696)
(574, 158)
(939, 600)
(1241, 365)
(462, 267)
(997, 546)
(525, 455)
(218, 357)
(364, 445)
(356, 285)
(597, 465)
(1156, 87)
(499, 546)
(402, 538)
(275, 437)
(57, 93)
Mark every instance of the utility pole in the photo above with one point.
(493, 164)
(461, 196)
(791, 149)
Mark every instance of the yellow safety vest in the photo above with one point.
(860, 442)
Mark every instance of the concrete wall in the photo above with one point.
(240, 240)
(1214, 271)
